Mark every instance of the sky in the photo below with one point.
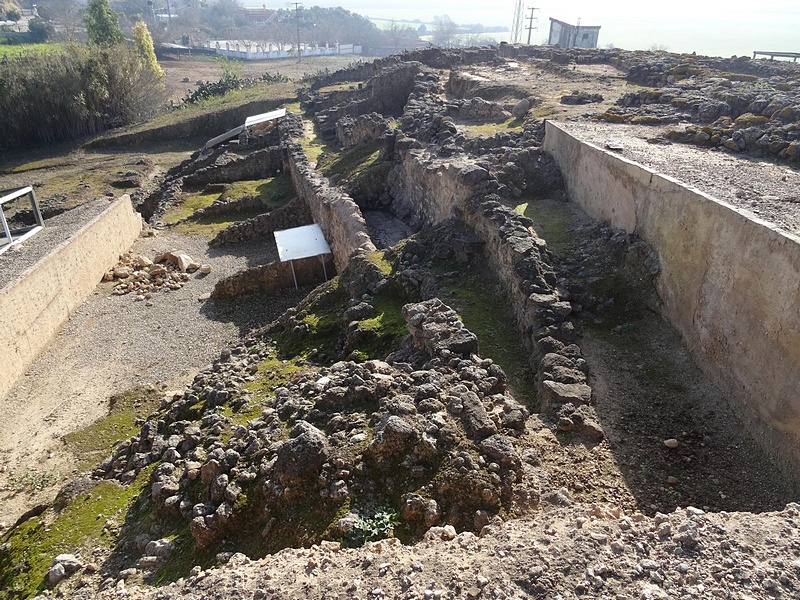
(713, 27)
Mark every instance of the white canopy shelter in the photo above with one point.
(302, 242)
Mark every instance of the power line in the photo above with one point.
(516, 27)
(297, 7)
(531, 19)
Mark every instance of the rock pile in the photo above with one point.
(139, 275)
(433, 427)
(478, 108)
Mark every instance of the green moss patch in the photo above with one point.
(273, 191)
(87, 521)
(349, 165)
(551, 222)
(385, 330)
(94, 443)
(272, 373)
(489, 129)
(484, 309)
(321, 319)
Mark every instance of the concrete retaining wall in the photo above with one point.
(729, 281)
(35, 305)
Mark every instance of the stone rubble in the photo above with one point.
(141, 276)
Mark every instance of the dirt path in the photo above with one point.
(112, 344)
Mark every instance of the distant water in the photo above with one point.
(713, 27)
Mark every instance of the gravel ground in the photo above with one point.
(114, 343)
(769, 190)
(17, 259)
(580, 551)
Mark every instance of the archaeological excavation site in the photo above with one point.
(501, 322)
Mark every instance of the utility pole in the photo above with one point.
(297, 7)
(530, 23)
(519, 21)
(577, 31)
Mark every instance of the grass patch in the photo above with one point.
(380, 259)
(551, 222)
(17, 50)
(485, 311)
(93, 444)
(274, 192)
(272, 374)
(349, 165)
(314, 145)
(321, 316)
(79, 526)
(386, 328)
(489, 129)
(340, 87)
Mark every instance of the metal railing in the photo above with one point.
(18, 235)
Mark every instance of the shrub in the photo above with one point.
(369, 529)
(40, 30)
(143, 42)
(228, 83)
(85, 90)
(102, 24)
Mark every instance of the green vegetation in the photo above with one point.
(489, 129)
(31, 480)
(143, 42)
(385, 330)
(102, 24)
(274, 192)
(314, 146)
(79, 92)
(272, 373)
(229, 82)
(484, 309)
(263, 91)
(87, 521)
(551, 222)
(349, 165)
(370, 529)
(22, 50)
(321, 316)
(92, 444)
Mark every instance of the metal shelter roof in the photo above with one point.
(268, 116)
(301, 242)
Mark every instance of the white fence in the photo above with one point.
(254, 51)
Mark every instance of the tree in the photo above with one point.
(65, 15)
(400, 35)
(143, 44)
(445, 30)
(102, 24)
(40, 30)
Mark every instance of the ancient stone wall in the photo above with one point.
(274, 276)
(729, 282)
(351, 131)
(229, 168)
(388, 92)
(294, 214)
(338, 215)
(429, 190)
